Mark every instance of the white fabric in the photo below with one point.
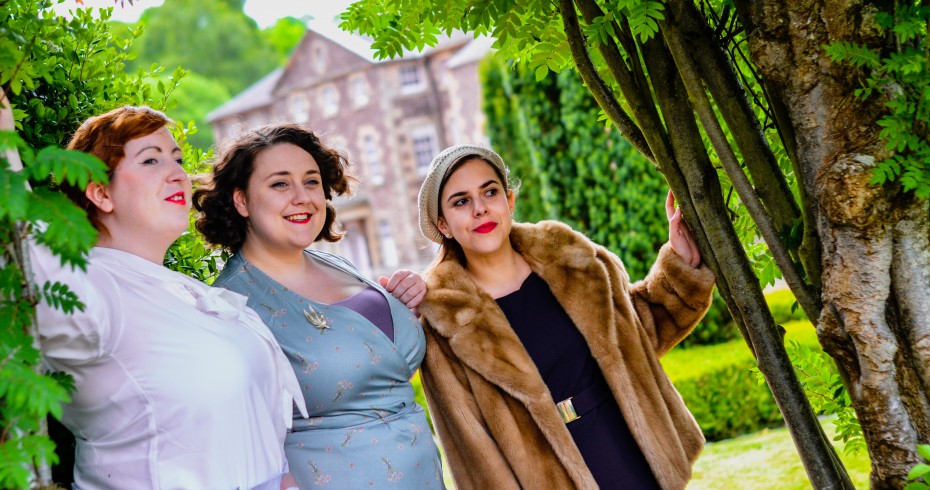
(179, 385)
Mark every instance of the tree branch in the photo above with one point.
(763, 220)
(601, 92)
(730, 97)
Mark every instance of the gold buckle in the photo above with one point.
(567, 410)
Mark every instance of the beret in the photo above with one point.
(428, 198)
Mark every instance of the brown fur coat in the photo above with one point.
(495, 417)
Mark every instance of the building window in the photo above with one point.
(411, 79)
(389, 255)
(425, 147)
(319, 59)
(329, 99)
(359, 89)
(299, 107)
(371, 155)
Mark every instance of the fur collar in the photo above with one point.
(477, 330)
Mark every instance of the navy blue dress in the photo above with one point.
(564, 360)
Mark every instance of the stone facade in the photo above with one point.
(390, 118)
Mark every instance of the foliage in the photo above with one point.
(179, 33)
(826, 392)
(919, 476)
(727, 401)
(193, 98)
(284, 36)
(901, 78)
(57, 73)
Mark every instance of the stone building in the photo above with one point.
(390, 117)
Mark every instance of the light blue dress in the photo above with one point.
(364, 430)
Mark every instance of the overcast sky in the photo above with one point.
(265, 12)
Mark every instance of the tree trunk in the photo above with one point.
(875, 246)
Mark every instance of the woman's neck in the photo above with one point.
(154, 253)
(278, 264)
(500, 273)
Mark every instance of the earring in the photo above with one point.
(449, 236)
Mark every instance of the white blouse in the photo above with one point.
(178, 385)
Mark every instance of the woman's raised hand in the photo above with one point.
(406, 286)
(679, 235)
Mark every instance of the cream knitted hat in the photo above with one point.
(429, 191)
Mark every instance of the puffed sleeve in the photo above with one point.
(81, 336)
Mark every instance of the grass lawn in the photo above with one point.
(764, 460)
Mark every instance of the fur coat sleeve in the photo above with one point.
(496, 419)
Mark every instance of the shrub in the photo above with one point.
(717, 326)
(720, 386)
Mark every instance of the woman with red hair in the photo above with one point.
(177, 384)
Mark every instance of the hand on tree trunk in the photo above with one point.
(679, 235)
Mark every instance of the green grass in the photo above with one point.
(765, 460)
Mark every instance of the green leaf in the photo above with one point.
(14, 196)
(74, 167)
(68, 233)
(541, 72)
(924, 451)
(918, 471)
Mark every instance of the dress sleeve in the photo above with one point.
(672, 298)
(459, 423)
(81, 336)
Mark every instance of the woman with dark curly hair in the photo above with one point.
(353, 345)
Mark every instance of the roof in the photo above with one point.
(257, 95)
(361, 45)
(260, 94)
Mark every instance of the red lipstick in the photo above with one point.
(177, 198)
(486, 227)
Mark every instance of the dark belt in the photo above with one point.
(573, 407)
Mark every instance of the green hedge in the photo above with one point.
(719, 383)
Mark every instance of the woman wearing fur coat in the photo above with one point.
(542, 368)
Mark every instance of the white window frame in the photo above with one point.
(412, 78)
(389, 255)
(424, 144)
(329, 100)
(320, 58)
(299, 107)
(371, 155)
(358, 85)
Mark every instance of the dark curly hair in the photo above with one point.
(221, 224)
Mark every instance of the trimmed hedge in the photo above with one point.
(719, 383)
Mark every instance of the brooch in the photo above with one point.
(317, 319)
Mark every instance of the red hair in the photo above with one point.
(105, 137)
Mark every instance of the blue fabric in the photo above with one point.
(364, 430)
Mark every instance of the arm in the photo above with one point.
(83, 334)
(473, 455)
(671, 299)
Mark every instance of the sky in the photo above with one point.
(265, 12)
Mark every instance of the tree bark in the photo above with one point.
(875, 252)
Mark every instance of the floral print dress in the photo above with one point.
(364, 429)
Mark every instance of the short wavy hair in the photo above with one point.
(105, 136)
(220, 222)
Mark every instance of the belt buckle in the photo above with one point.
(567, 410)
